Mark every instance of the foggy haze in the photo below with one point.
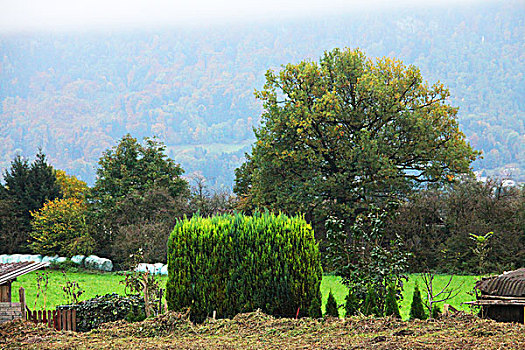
(60, 15)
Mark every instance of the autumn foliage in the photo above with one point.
(59, 228)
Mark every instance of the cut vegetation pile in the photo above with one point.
(257, 330)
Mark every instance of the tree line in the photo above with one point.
(438, 227)
(132, 207)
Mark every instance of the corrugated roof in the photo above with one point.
(509, 284)
(10, 271)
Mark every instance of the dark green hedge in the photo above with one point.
(106, 308)
(237, 263)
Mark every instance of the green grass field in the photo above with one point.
(466, 282)
(102, 283)
(92, 283)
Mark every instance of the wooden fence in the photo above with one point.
(59, 319)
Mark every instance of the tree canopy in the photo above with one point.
(27, 187)
(71, 186)
(130, 177)
(134, 167)
(349, 131)
(31, 184)
(60, 228)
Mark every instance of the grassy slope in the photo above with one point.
(103, 283)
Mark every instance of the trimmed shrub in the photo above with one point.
(416, 308)
(331, 306)
(391, 307)
(237, 263)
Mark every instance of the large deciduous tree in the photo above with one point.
(137, 186)
(131, 166)
(348, 131)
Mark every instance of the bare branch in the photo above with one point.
(446, 292)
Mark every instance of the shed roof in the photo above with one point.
(509, 284)
(10, 271)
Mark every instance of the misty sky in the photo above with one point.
(65, 15)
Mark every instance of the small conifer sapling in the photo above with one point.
(331, 306)
(391, 307)
(417, 310)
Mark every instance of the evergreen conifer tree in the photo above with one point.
(436, 311)
(31, 185)
(331, 306)
(391, 307)
(28, 187)
(351, 305)
(315, 309)
(416, 308)
(16, 180)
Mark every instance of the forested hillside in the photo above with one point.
(75, 94)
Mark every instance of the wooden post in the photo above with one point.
(74, 320)
(59, 320)
(63, 314)
(22, 297)
(9, 290)
(523, 314)
(68, 320)
(55, 319)
(5, 292)
(160, 302)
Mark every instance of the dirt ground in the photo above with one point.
(259, 331)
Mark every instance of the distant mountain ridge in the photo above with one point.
(75, 95)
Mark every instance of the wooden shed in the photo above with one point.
(502, 298)
(8, 273)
